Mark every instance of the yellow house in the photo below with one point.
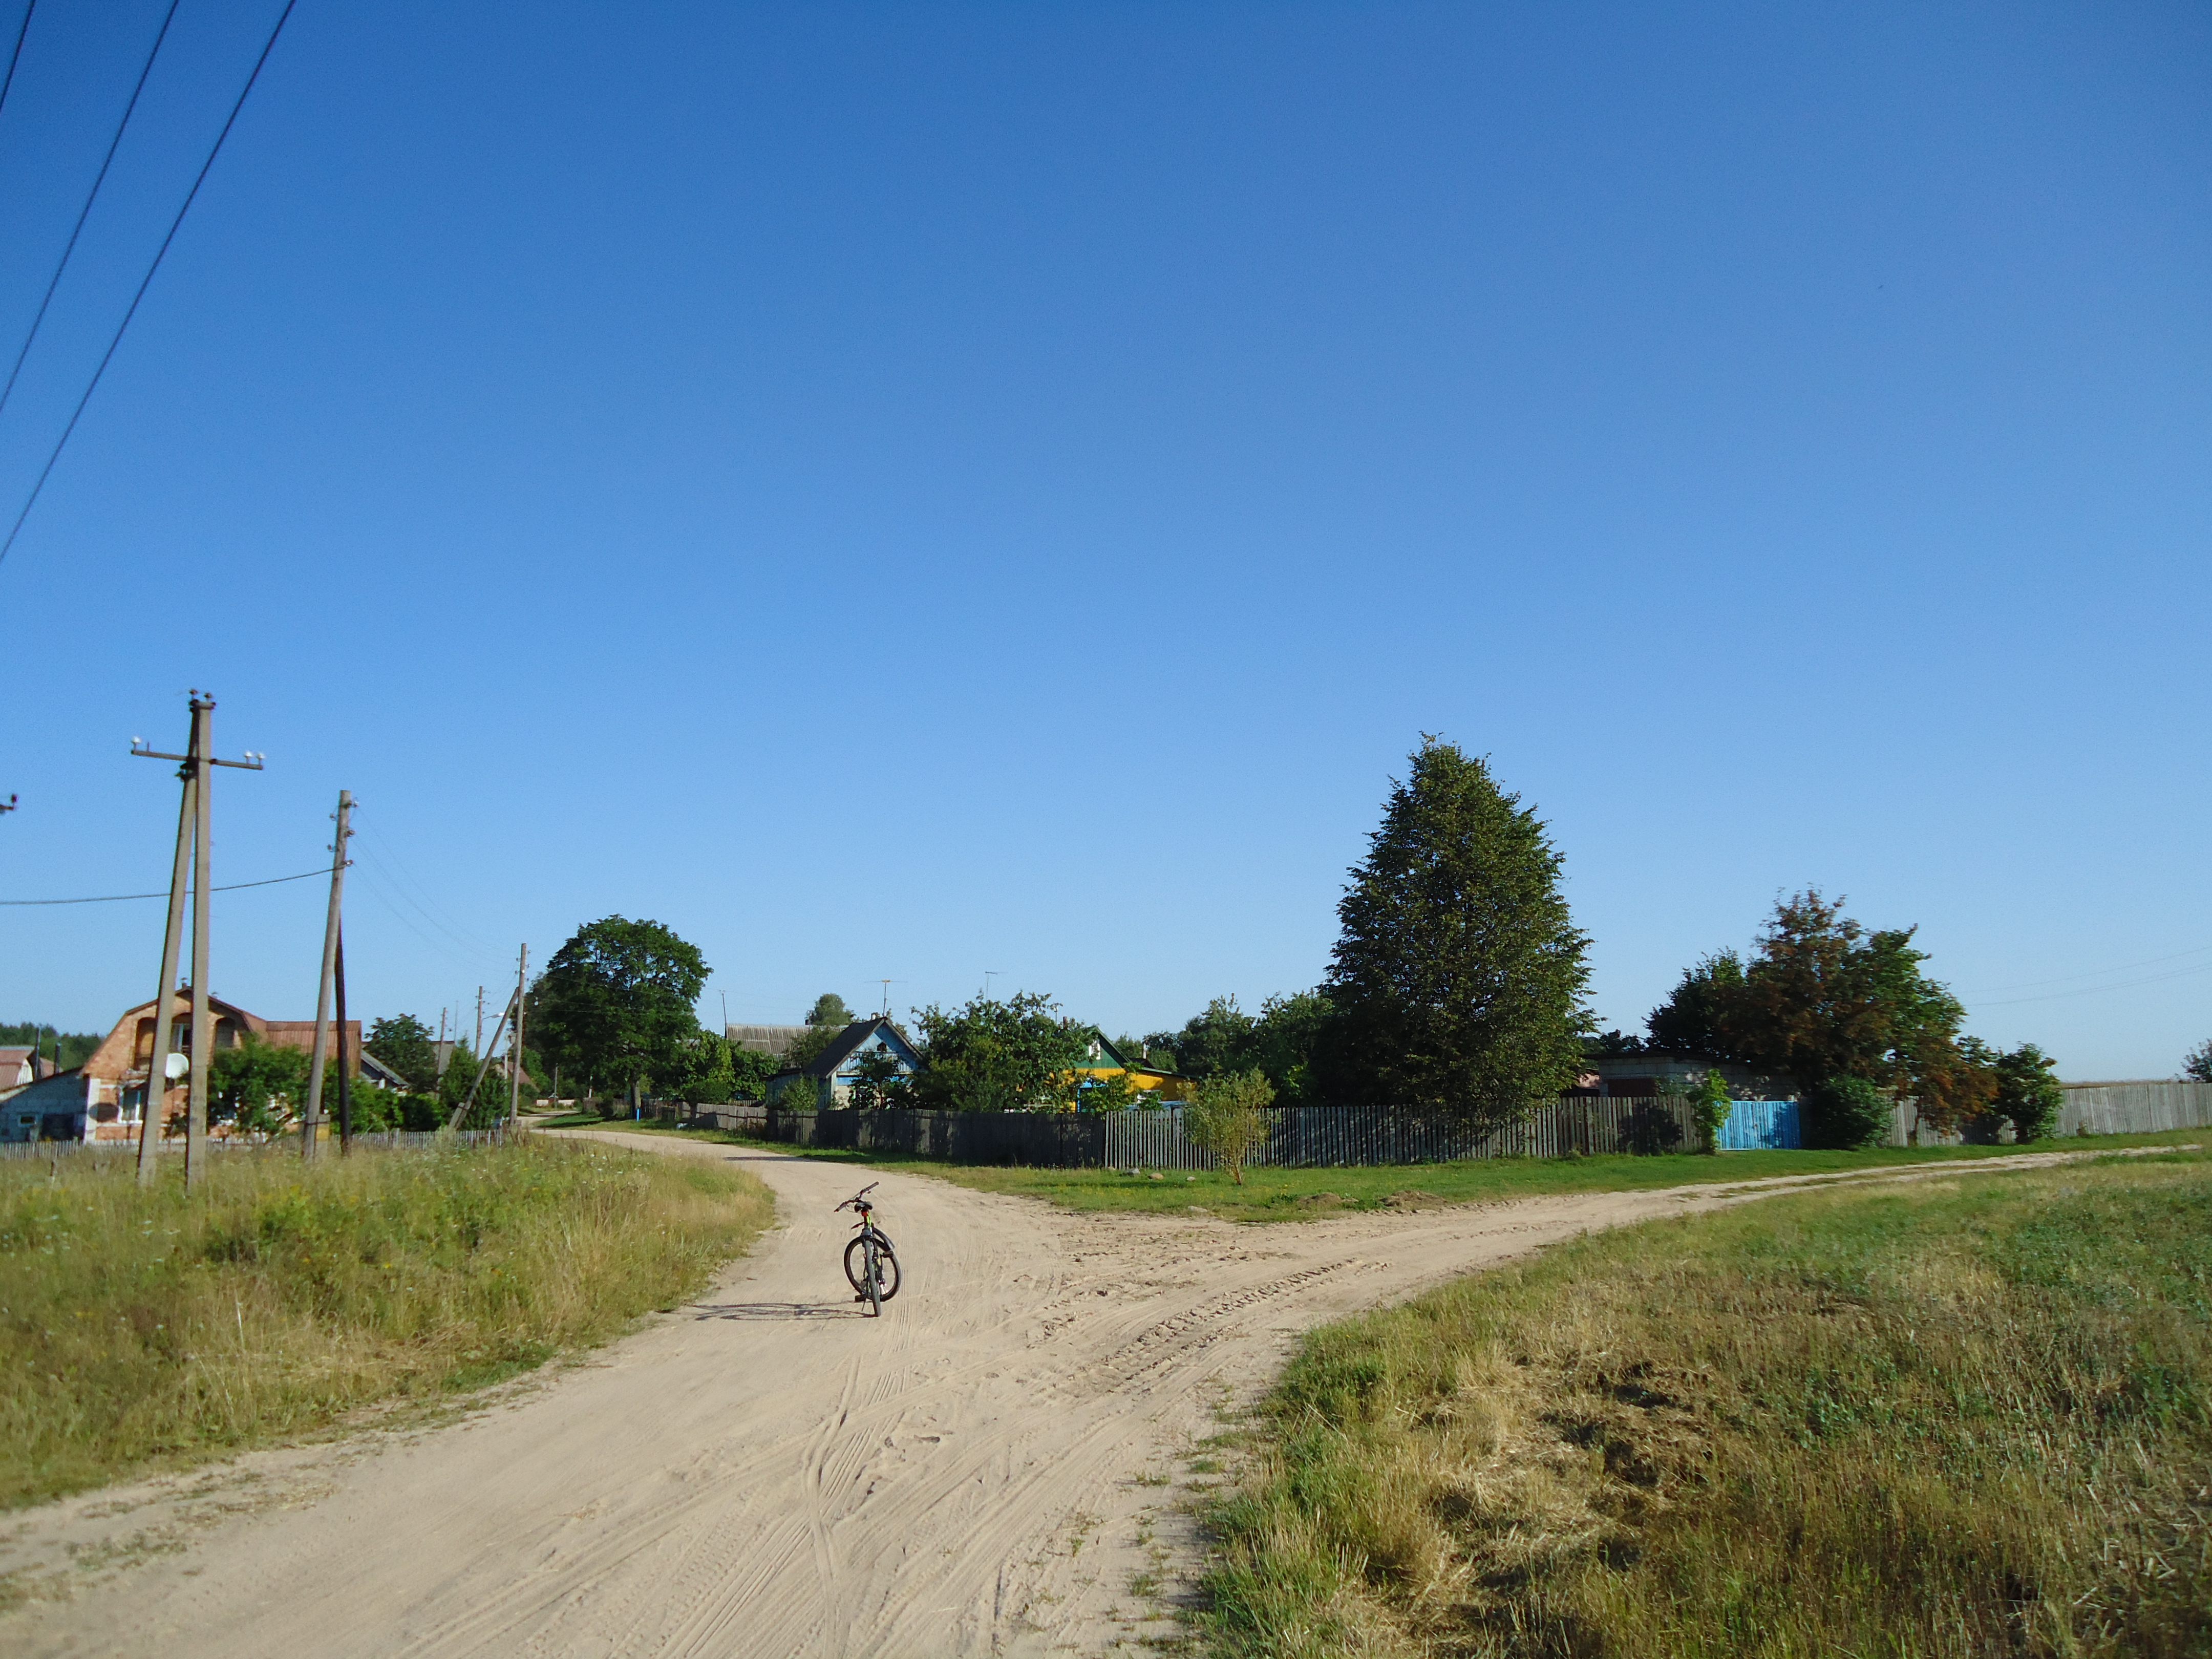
(1107, 1062)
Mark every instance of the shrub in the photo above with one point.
(2027, 1093)
(1713, 1103)
(1228, 1118)
(1847, 1113)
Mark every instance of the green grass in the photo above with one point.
(142, 1329)
(1959, 1419)
(1307, 1194)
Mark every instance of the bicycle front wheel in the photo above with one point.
(887, 1271)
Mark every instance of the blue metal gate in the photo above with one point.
(1760, 1125)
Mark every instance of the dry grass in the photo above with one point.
(1964, 1418)
(141, 1330)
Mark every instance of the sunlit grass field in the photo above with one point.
(143, 1329)
(1964, 1417)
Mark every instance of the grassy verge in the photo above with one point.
(140, 1329)
(1304, 1194)
(1964, 1418)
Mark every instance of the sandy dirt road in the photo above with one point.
(998, 1465)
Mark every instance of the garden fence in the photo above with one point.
(1297, 1136)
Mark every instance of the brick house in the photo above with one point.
(114, 1074)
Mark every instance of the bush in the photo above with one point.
(2027, 1093)
(1228, 1118)
(1713, 1103)
(1846, 1113)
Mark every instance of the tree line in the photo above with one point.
(1456, 985)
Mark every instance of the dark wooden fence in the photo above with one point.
(1305, 1137)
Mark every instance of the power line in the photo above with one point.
(117, 899)
(107, 356)
(91, 196)
(2098, 973)
(2089, 990)
(15, 56)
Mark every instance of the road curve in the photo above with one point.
(994, 1468)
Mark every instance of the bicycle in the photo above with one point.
(869, 1263)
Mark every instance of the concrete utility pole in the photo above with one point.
(194, 836)
(468, 1100)
(515, 1043)
(495, 1036)
(311, 1125)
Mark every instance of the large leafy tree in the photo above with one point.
(615, 1003)
(403, 1042)
(1280, 1041)
(1457, 983)
(1820, 997)
(824, 1020)
(996, 1056)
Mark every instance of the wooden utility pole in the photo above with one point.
(157, 1062)
(311, 1125)
(345, 1094)
(514, 1045)
(194, 834)
(495, 1036)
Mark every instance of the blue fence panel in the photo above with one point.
(1762, 1125)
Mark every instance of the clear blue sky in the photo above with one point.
(908, 491)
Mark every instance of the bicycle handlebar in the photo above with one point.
(854, 1202)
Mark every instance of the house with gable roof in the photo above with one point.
(829, 1077)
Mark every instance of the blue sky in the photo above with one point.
(916, 491)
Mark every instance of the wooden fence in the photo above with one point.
(1305, 1137)
(2092, 1108)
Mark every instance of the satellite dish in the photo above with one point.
(178, 1066)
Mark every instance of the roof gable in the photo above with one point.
(857, 1036)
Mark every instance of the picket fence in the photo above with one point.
(174, 1147)
(1298, 1137)
(2090, 1109)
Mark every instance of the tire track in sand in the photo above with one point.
(767, 1474)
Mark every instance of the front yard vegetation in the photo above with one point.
(1963, 1418)
(140, 1329)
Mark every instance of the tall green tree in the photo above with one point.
(1212, 1040)
(615, 1003)
(1457, 983)
(829, 1010)
(996, 1056)
(405, 1043)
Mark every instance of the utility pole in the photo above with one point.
(495, 1036)
(515, 1043)
(441, 1045)
(468, 1100)
(311, 1126)
(194, 834)
(345, 1097)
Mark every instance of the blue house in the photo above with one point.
(827, 1078)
